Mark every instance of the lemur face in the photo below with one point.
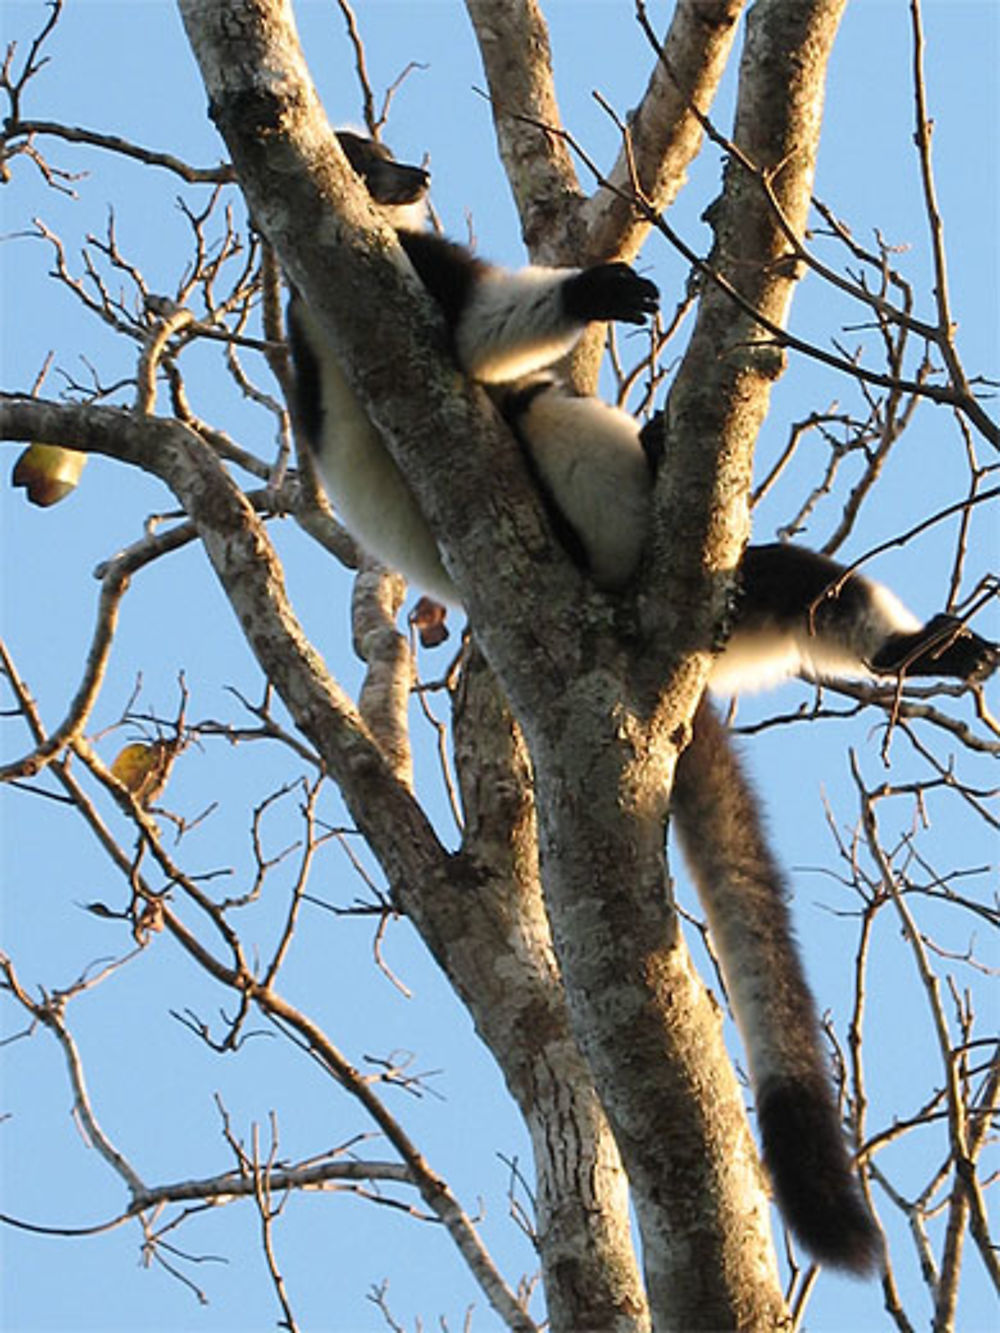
(388, 182)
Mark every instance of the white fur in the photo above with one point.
(515, 324)
(755, 661)
(888, 615)
(367, 488)
(406, 217)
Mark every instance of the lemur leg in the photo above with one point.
(798, 612)
(372, 497)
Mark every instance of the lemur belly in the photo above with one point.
(368, 490)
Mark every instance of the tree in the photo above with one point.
(565, 735)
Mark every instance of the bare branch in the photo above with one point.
(220, 175)
(49, 1011)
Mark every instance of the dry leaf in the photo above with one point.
(428, 618)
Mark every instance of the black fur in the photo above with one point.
(652, 437)
(811, 1173)
(513, 405)
(306, 400)
(782, 583)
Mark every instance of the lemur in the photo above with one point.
(796, 612)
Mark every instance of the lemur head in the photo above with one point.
(400, 190)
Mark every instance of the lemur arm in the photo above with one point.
(507, 324)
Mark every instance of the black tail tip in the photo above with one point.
(813, 1177)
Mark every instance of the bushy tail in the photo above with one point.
(744, 898)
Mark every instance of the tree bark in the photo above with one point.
(602, 729)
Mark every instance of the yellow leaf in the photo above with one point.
(48, 472)
(143, 769)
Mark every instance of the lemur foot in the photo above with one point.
(944, 647)
(610, 291)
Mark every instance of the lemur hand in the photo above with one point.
(610, 291)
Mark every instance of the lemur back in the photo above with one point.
(795, 612)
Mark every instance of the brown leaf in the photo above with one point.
(149, 921)
(428, 619)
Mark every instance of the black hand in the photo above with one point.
(610, 291)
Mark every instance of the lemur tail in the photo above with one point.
(744, 898)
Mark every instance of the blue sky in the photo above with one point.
(126, 68)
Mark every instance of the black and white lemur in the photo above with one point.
(796, 613)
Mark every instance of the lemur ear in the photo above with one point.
(652, 437)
